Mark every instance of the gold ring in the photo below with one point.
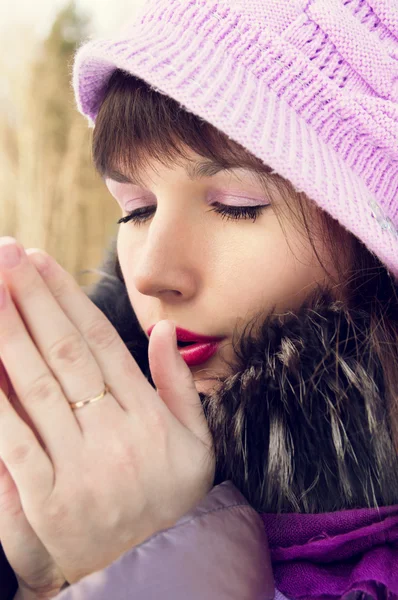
(76, 405)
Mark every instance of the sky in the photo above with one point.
(24, 22)
(38, 14)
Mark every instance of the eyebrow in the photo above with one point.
(195, 170)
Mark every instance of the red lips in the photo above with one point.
(202, 347)
(184, 335)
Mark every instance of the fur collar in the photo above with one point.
(302, 424)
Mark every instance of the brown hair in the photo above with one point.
(136, 124)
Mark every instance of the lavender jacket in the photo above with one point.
(218, 551)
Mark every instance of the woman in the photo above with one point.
(252, 150)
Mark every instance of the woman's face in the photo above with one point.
(206, 272)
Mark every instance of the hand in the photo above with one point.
(97, 481)
(37, 574)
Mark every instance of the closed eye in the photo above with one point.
(143, 214)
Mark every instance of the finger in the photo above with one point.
(10, 503)
(25, 460)
(5, 383)
(35, 385)
(61, 344)
(174, 381)
(119, 369)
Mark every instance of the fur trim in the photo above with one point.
(302, 424)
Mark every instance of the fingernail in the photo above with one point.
(10, 254)
(38, 258)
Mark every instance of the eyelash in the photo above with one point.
(141, 215)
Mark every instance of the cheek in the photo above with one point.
(262, 271)
(247, 270)
(123, 250)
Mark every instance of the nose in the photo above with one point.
(168, 262)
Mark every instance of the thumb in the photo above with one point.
(174, 381)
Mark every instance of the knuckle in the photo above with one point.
(19, 454)
(126, 461)
(57, 513)
(70, 351)
(59, 287)
(125, 457)
(156, 426)
(159, 423)
(10, 333)
(29, 283)
(101, 334)
(128, 366)
(42, 389)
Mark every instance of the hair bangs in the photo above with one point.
(137, 125)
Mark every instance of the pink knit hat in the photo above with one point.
(308, 86)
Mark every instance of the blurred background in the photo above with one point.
(50, 194)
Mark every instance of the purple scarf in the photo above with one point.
(357, 550)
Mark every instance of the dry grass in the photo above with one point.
(50, 196)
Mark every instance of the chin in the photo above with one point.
(208, 376)
(202, 387)
(205, 386)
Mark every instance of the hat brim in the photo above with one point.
(244, 107)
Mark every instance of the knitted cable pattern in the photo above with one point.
(308, 86)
